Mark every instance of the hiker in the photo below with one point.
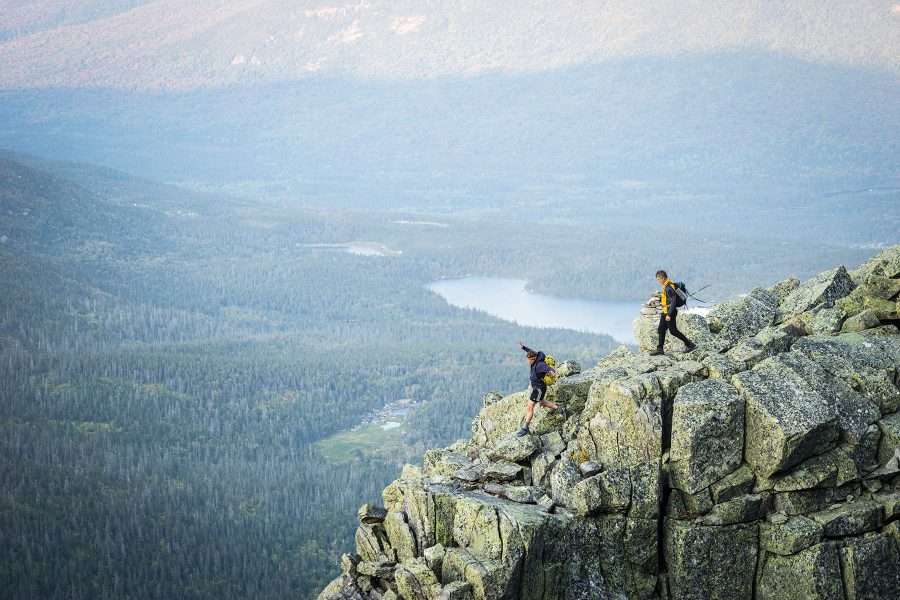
(670, 302)
(539, 370)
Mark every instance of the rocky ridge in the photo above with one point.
(766, 464)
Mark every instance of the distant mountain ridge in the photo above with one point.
(170, 44)
(729, 122)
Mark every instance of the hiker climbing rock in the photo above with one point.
(541, 375)
(672, 296)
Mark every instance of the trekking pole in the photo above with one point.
(691, 294)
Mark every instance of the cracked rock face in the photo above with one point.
(707, 434)
(766, 465)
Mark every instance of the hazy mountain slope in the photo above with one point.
(22, 17)
(173, 44)
(727, 123)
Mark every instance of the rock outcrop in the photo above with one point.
(766, 464)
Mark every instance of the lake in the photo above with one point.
(357, 248)
(508, 299)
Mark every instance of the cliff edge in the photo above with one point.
(766, 464)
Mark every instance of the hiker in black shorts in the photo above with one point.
(669, 299)
(538, 388)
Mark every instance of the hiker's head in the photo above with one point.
(531, 357)
(661, 276)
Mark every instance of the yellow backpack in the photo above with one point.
(548, 378)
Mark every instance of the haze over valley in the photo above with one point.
(225, 228)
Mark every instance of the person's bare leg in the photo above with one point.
(529, 412)
(554, 406)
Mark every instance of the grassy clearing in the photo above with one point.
(367, 441)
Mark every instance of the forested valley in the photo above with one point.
(169, 361)
(174, 364)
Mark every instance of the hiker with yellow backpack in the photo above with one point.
(672, 297)
(542, 374)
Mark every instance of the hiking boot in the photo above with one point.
(522, 432)
(657, 352)
(690, 348)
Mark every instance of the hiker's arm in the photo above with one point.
(525, 348)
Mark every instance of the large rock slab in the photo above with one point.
(784, 287)
(871, 568)
(827, 321)
(572, 391)
(720, 366)
(429, 509)
(607, 556)
(458, 590)
(734, 484)
(501, 471)
(342, 588)
(646, 490)
(707, 434)
(476, 527)
(523, 494)
(743, 509)
(487, 578)
(627, 428)
(866, 364)
(541, 464)
(823, 291)
(381, 569)
(768, 342)
(371, 542)
(890, 438)
(444, 462)
(563, 477)
(789, 535)
(854, 412)
(425, 509)
(866, 319)
(402, 539)
(553, 443)
(787, 421)
(743, 316)
(513, 448)
(416, 581)
(852, 518)
(885, 288)
(697, 563)
(834, 468)
(884, 264)
(609, 491)
(812, 574)
(807, 501)
(684, 506)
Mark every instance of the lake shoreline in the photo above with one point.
(511, 300)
